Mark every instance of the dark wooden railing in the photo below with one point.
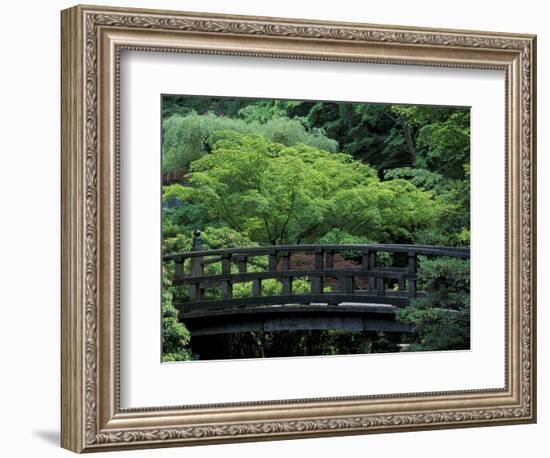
(190, 270)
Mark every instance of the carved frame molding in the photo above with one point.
(92, 38)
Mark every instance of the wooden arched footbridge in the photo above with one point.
(360, 297)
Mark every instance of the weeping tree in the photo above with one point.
(187, 138)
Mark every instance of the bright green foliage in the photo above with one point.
(452, 227)
(291, 132)
(271, 287)
(213, 238)
(265, 110)
(181, 212)
(339, 236)
(250, 172)
(187, 138)
(444, 146)
(422, 178)
(176, 192)
(297, 194)
(389, 211)
(175, 336)
(441, 320)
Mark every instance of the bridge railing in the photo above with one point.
(189, 269)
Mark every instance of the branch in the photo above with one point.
(292, 200)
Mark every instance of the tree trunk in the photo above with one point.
(407, 131)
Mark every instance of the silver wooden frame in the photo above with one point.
(92, 39)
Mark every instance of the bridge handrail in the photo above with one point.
(280, 268)
(295, 273)
(427, 250)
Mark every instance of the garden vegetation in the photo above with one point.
(252, 172)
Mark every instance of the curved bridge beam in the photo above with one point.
(356, 317)
(394, 298)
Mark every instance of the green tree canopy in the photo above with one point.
(297, 194)
(187, 138)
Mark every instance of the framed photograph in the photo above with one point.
(279, 228)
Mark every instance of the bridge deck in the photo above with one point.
(316, 316)
(396, 298)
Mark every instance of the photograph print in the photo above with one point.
(312, 228)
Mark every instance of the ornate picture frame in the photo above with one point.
(92, 40)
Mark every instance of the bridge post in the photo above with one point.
(371, 260)
(348, 285)
(411, 275)
(257, 287)
(242, 265)
(197, 241)
(330, 259)
(286, 281)
(317, 281)
(178, 268)
(196, 292)
(329, 264)
(272, 261)
(227, 286)
(241, 262)
(401, 284)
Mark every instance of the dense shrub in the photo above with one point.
(441, 320)
(175, 336)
